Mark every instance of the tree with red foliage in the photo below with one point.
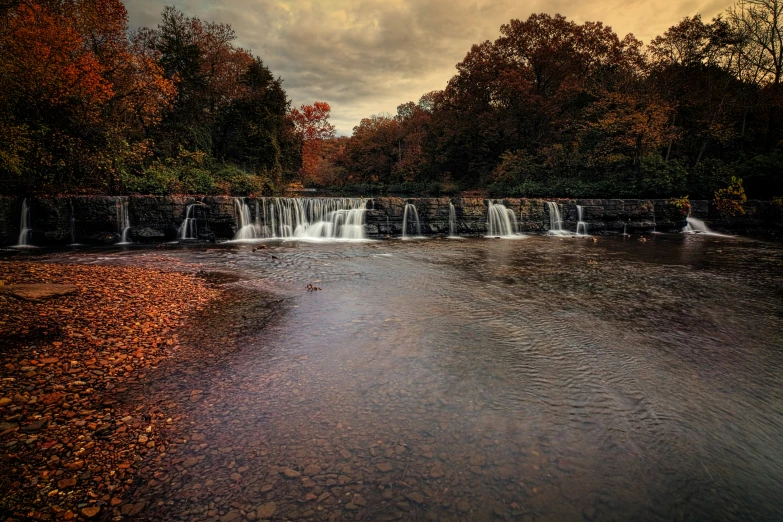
(312, 123)
(76, 93)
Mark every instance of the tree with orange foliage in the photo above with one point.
(312, 124)
(76, 94)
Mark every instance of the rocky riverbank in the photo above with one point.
(71, 441)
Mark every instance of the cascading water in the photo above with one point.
(302, 218)
(189, 227)
(697, 226)
(245, 228)
(501, 221)
(555, 221)
(123, 221)
(580, 225)
(452, 220)
(655, 223)
(24, 227)
(410, 208)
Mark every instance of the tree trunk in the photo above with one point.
(671, 141)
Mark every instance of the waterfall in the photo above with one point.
(410, 207)
(580, 225)
(501, 221)
(123, 221)
(697, 226)
(452, 220)
(555, 221)
(245, 228)
(301, 218)
(24, 227)
(625, 229)
(189, 227)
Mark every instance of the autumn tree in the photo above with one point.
(77, 93)
(229, 105)
(312, 125)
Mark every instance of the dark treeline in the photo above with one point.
(555, 108)
(86, 106)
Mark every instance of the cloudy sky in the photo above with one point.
(364, 57)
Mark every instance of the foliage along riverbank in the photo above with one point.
(551, 108)
(70, 441)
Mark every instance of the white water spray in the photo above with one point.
(580, 225)
(189, 227)
(697, 226)
(123, 221)
(24, 227)
(555, 221)
(501, 221)
(452, 220)
(410, 208)
(301, 218)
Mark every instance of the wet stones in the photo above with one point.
(266, 510)
(384, 467)
(312, 469)
(91, 512)
(290, 473)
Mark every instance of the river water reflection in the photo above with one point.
(540, 379)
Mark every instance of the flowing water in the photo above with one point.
(24, 227)
(581, 226)
(452, 220)
(555, 221)
(314, 219)
(123, 221)
(189, 227)
(245, 227)
(501, 221)
(697, 226)
(479, 380)
(413, 220)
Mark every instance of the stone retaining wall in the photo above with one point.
(94, 219)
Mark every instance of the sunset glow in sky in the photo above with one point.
(364, 57)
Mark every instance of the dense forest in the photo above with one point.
(555, 108)
(88, 106)
(550, 108)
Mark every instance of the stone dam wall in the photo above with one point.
(96, 220)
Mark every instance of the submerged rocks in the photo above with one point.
(66, 438)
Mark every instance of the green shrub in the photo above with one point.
(660, 178)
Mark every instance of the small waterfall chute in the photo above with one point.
(410, 209)
(24, 227)
(501, 221)
(697, 226)
(555, 220)
(245, 227)
(581, 225)
(452, 221)
(123, 222)
(189, 227)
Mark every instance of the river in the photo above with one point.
(543, 378)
